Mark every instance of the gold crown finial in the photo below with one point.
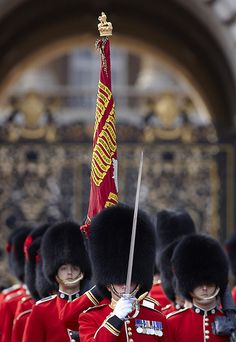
(104, 27)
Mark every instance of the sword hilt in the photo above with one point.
(136, 305)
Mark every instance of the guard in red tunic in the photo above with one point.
(65, 263)
(170, 225)
(168, 283)
(24, 307)
(201, 270)
(9, 304)
(43, 289)
(131, 317)
(10, 257)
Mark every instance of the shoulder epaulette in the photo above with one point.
(166, 307)
(13, 295)
(22, 314)
(46, 299)
(176, 312)
(12, 288)
(152, 300)
(96, 307)
(24, 299)
(151, 303)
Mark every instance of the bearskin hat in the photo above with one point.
(63, 244)
(9, 248)
(230, 247)
(167, 276)
(43, 287)
(31, 247)
(30, 267)
(17, 254)
(109, 245)
(172, 224)
(197, 260)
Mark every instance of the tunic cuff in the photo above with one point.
(94, 295)
(114, 325)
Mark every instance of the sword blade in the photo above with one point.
(134, 226)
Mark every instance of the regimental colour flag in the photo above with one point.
(104, 180)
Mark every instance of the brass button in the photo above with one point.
(130, 333)
(131, 340)
(128, 321)
(207, 336)
(129, 328)
(206, 324)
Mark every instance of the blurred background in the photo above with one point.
(173, 76)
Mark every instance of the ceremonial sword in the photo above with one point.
(134, 226)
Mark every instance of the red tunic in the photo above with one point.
(69, 315)
(24, 304)
(9, 291)
(97, 324)
(23, 310)
(193, 325)
(7, 313)
(19, 326)
(158, 294)
(234, 294)
(44, 324)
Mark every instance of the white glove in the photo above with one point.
(123, 307)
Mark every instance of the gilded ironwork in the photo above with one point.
(34, 123)
(169, 119)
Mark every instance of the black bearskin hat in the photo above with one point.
(230, 247)
(63, 244)
(17, 254)
(31, 247)
(43, 286)
(167, 276)
(30, 267)
(109, 245)
(172, 224)
(9, 248)
(197, 260)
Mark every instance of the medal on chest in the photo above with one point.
(148, 327)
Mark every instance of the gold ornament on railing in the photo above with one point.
(33, 109)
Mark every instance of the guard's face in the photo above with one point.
(68, 272)
(204, 291)
(121, 289)
(117, 290)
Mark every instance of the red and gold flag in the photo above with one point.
(104, 181)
